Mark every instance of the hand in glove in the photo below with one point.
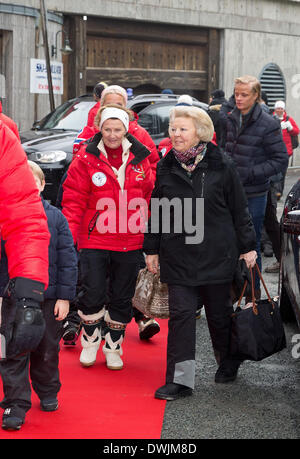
(22, 323)
(288, 126)
(283, 124)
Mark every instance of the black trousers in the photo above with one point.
(41, 365)
(106, 269)
(183, 303)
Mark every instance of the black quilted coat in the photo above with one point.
(257, 148)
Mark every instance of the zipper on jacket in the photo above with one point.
(202, 184)
(93, 223)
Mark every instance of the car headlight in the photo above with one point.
(48, 156)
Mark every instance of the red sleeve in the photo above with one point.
(76, 191)
(11, 124)
(92, 113)
(23, 221)
(144, 137)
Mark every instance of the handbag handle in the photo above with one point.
(252, 289)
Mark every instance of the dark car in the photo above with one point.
(155, 116)
(290, 266)
(50, 141)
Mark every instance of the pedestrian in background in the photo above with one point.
(216, 100)
(254, 142)
(289, 128)
(97, 91)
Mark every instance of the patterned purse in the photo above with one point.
(151, 296)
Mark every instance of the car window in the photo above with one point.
(70, 116)
(156, 118)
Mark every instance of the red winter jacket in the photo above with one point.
(91, 183)
(286, 134)
(9, 122)
(23, 221)
(92, 113)
(135, 129)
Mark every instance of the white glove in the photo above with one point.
(288, 125)
(283, 124)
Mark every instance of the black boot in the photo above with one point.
(13, 418)
(227, 371)
(172, 391)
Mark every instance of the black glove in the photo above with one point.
(22, 324)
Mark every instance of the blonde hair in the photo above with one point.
(202, 121)
(37, 171)
(99, 112)
(254, 84)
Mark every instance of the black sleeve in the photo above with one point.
(238, 205)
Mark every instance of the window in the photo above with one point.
(273, 83)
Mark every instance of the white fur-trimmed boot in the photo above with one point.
(112, 348)
(91, 337)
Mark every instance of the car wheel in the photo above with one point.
(286, 308)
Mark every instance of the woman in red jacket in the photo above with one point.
(288, 125)
(115, 94)
(107, 189)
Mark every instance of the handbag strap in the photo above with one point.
(252, 289)
(263, 282)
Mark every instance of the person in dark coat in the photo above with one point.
(216, 101)
(255, 144)
(210, 229)
(42, 364)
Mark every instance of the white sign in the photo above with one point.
(39, 80)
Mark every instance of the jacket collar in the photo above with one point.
(139, 151)
(213, 159)
(254, 114)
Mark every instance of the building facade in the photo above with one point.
(189, 46)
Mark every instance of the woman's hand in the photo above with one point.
(250, 258)
(152, 262)
(61, 309)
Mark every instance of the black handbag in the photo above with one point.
(257, 331)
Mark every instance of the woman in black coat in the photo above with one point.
(197, 234)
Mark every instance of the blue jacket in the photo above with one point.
(63, 261)
(257, 148)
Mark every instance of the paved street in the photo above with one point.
(264, 401)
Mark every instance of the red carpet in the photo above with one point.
(97, 403)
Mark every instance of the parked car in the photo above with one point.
(50, 141)
(290, 266)
(154, 117)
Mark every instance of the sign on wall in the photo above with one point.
(39, 80)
